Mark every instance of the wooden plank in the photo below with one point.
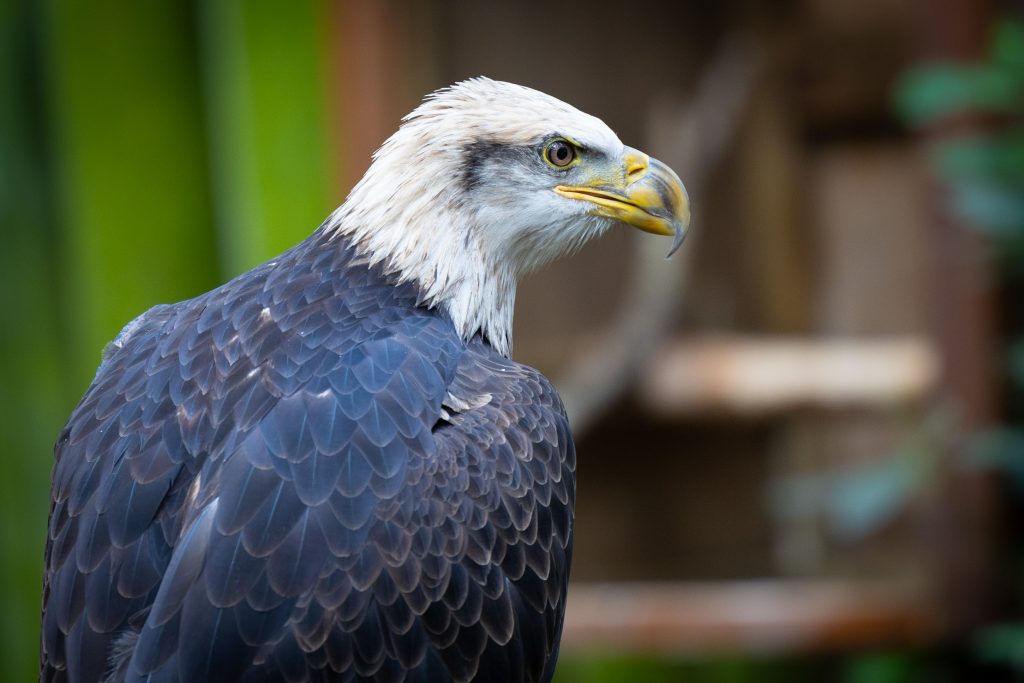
(872, 239)
(756, 376)
(384, 57)
(773, 236)
(759, 616)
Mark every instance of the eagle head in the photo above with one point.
(487, 180)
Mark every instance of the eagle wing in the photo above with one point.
(300, 487)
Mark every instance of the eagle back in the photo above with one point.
(303, 475)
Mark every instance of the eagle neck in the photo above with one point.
(440, 252)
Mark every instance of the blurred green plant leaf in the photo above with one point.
(993, 208)
(1002, 644)
(603, 667)
(1000, 449)
(862, 500)
(885, 667)
(929, 92)
(858, 501)
(1015, 361)
(989, 157)
(985, 170)
(1008, 45)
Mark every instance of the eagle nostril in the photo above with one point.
(635, 171)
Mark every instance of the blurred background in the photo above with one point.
(801, 446)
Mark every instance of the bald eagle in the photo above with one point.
(329, 469)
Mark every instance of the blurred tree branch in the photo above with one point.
(691, 138)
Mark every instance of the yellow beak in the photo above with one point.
(644, 193)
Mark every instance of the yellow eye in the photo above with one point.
(560, 153)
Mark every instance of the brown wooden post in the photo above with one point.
(961, 523)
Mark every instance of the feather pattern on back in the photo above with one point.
(305, 476)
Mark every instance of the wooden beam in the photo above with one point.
(762, 616)
(383, 60)
(757, 376)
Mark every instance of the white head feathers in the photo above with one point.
(458, 200)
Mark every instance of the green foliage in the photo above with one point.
(983, 166)
(135, 225)
(1002, 644)
(1000, 449)
(147, 151)
(1015, 362)
(872, 667)
(267, 107)
(31, 392)
(884, 667)
(857, 501)
(984, 170)
(860, 501)
(933, 91)
(606, 668)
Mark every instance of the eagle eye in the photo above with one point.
(560, 153)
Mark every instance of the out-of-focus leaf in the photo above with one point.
(1015, 362)
(1001, 450)
(1008, 45)
(983, 157)
(604, 667)
(862, 500)
(926, 93)
(1002, 644)
(855, 502)
(995, 208)
(1012, 256)
(888, 667)
(985, 171)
